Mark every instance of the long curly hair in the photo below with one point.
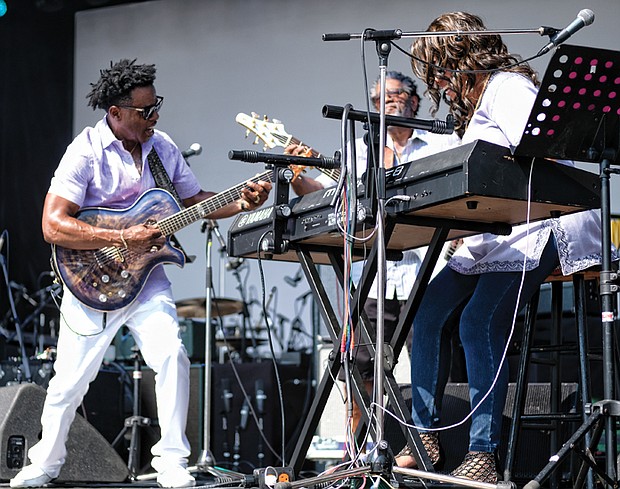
(445, 56)
(116, 83)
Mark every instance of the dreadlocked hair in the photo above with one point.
(116, 83)
(443, 57)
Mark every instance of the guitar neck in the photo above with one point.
(333, 174)
(181, 219)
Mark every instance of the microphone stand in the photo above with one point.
(381, 459)
(206, 461)
(220, 239)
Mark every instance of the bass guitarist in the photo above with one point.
(111, 165)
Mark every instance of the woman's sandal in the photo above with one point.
(432, 446)
(478, 466)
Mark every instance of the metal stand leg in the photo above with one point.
(135, 421)
(604, 413)
(555, 347)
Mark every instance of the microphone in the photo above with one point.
(245, 413)
(293, 281)
(227, 395)
(584, 17)
(261, 397)
(434, 126)
(284, 160)
(194, 150)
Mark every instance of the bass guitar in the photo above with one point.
(272, 134)
(110, 278)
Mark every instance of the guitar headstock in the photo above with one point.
(271, 133)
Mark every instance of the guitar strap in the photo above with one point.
(162, 180)
(161, 175)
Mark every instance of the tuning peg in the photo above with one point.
(257, 140)
(255, 115)
(265, 118)
(247, 133)
(277, 121)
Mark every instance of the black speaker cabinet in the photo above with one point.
(533, 450)
(237, 442)
(90, 457)
(109, 402)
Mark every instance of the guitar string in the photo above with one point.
(168, 225)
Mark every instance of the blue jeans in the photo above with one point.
(486, 305)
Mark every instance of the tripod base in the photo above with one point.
(206, 465)
(381, 459)
(434, 476)
(205, 460)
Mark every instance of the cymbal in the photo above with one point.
(197, 308)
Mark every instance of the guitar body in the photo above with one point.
(111, 278)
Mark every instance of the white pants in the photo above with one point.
(82, 343)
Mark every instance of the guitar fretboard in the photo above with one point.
(181, 219)
(333, 174)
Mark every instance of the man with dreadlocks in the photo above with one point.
(107, 166)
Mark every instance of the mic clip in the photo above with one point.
(548, 31)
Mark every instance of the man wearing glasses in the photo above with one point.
(109, 165)
(403, 145)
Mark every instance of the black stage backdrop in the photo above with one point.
(35, 128)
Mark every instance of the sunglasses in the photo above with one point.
(148, 111)
(393, 93)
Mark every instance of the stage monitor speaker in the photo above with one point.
(533, 450)
(89, 456)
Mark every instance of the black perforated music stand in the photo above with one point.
(576, 116)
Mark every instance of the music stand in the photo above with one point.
(576, 116)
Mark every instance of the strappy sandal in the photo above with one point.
(433, 449)
(478, 466)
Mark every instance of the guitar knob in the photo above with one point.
(122, 294)
(103, 298)
(124, 274)
(105, 279)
